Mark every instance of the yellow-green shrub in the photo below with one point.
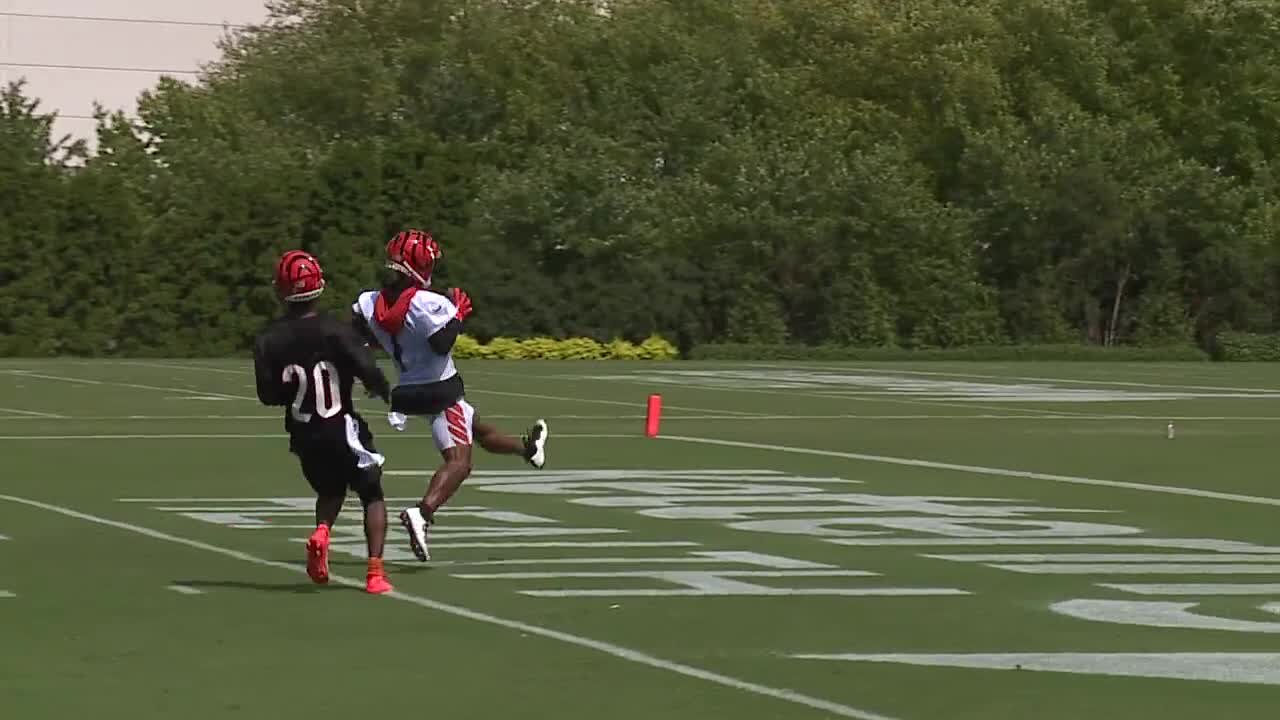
(468, 348)
(501, 348)
(621, 350)
(580, 349)
(544, 348)
(540, 348)
(656, 348)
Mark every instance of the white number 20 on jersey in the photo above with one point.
(328, 399)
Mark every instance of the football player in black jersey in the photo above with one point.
(307, 362)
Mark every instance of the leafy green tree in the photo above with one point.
(919, 173)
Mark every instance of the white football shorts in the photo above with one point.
(453, 427)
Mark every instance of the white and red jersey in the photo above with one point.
(415, 359)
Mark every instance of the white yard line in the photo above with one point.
(834, 368)
(177, 366)
(115, 418)
(136, 386)
(891, 460)
(167, 436)
(981, 470)
(616, 651)
(1022, 378)
(887, 459)
(29, 414)
(873, 396)
(815, 393)
(611, 402)
(185, 590)
(669, 417)
(1196, 588)
(621, 403)
(470, 390)
(278, 416)
(248, 436)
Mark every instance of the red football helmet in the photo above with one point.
(298, 276)
(414, 253)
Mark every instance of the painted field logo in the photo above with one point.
(1066, 541)
(538, 556)
(931, 386)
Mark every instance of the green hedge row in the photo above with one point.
(992, 353)
(1247, 347)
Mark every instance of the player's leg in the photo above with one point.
(452, 432)
(444, 483)
(365, 467)
(375, 528)
(369, 487)
(532, 447)
(328, 507)
(447, 479)
(495, 441)
(331, 489)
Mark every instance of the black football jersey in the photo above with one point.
(308, 365)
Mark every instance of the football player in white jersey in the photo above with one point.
(418, 327)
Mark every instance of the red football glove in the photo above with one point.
(462, 301)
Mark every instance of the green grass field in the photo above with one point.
(950, 541)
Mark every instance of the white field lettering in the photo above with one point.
(1012, 534)
(1165, 614)
(593, 573)
(1061, 540)
(826, 509)
(467, 525)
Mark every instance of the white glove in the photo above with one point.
(397, 420)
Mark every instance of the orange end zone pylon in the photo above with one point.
(653, 418)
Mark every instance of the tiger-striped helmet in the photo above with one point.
(414, 253)
(299, 277)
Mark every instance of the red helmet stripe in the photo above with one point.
(298, 276)
(413, 253)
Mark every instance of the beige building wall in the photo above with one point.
(73, 52)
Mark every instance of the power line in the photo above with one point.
(140, 21)
(159, 71)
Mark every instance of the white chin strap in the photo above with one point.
(303, 297)
(406, 270)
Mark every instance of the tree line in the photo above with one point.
(911, 173)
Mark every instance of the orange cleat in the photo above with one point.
(318, 555)
(377, 584)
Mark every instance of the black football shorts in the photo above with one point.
(338, 456)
